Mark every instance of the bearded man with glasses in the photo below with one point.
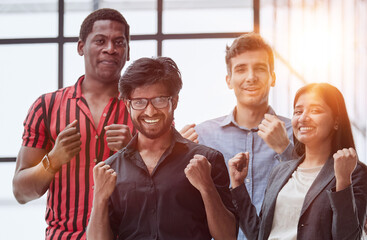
(161, 185)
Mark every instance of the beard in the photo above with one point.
(157, 131)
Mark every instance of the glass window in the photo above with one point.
(28, 19)
(140, 15)
(205, 94)
(27, 71)
(202, 16)
(30, 217)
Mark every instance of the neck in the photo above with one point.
(154, 145)
(99, 89)
(250, 117)
(316, 155)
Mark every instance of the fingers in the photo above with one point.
(187, 127)
(189, 132)
(345, 153)
(198, 161)
(114, 129)
(239, 161)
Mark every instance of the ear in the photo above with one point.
(229, 82)
(273, 79)
(336, 124)
(128, 53)
(80, 47)
(127, 105)
(175, 102)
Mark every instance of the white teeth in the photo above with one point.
(305, 128)
(151, 120)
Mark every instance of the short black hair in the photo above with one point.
(102, 14)
(147, 71)
(248, 42)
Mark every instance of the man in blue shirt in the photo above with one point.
(252, 126)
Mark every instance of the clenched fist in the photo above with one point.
(272, 130)
(238, 167)
(67, 145)
(104, 180)
(345, 161)
(117, 136)
(198, 171)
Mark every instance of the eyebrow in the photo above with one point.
(312, 105)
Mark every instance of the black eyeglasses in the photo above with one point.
(142, 103)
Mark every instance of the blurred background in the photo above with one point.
(313, 41)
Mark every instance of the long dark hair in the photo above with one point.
(343, 137)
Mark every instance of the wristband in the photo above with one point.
(47, 165)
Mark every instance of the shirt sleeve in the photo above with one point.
(35, 134)
(248, 219)
(349, 207)
(221, 181)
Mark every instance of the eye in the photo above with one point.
(297, 112)
(99, 41)
(120, 42)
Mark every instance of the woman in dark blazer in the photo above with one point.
(321, 195)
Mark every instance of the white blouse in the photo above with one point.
(289, 203)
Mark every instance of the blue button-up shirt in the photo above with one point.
(226, 136)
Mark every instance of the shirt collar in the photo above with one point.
(77, 88)
(229, 119)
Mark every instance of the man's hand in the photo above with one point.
(273, 132)
(104, 180)
(345, 161)
(67, 145)
(117, 136)
(238, 167)
(189, 133)
(198, 172)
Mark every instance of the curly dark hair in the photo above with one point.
(147, 71)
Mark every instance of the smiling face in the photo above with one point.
(251, 78)
(313, 121)
(105, 51)
(152, 122)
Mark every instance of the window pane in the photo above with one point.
(205, 94)
(74, 64)
(30, 217)
(27, 71)
(202, 16)
(140, 15)
(28, 19)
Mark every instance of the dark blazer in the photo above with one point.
(325, 214)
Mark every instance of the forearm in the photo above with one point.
(221, 222)
(31, 183)
(99, 224)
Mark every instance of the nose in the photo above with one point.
(251, 75)
(110, 47)
(150, 110)
(304, 117)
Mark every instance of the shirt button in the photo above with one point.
(95, 160)
(248, 180)
(96, 136)
(104, 114)
(248, 133)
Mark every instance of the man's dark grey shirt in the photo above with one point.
(163, 205)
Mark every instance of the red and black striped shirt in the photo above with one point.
(69, 198)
